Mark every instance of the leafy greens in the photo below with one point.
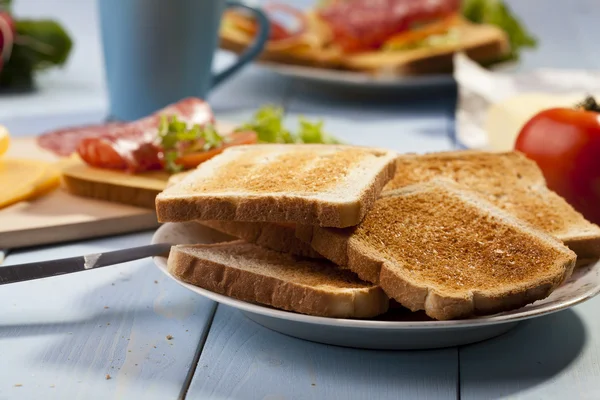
(267, 122)
(176, 138)
(39, 44)
(496, 12)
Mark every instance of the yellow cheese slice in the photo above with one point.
(26, 179)
(505, 119)
(19, 179)
(4, 140)
(49, 181)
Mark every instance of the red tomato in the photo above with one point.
(278, 32)
(7, 28)
(565, 143)
(192, 160)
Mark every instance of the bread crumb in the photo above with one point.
(18, 384)
(169, 337)
(108, 377)
(106, 307)
(52, 386)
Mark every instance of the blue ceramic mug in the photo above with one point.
(157, 52)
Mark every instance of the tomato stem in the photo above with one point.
(588, 104)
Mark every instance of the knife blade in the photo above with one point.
(45, 269)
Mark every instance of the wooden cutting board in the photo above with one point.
(60, 216)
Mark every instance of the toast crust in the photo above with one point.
(438, 290)
(206, 193)
(358, 300)
(274, 236)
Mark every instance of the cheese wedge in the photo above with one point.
(505, 119)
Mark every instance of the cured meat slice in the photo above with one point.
(64, 142)
(129, 146)
(362, 25)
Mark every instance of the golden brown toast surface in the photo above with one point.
(328, 185)
(261, 171)
(440, 248)
(440, 238)
(510, 181)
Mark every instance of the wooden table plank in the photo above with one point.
(62, 336)
(557, 356)
(242, 359)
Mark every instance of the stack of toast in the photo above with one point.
(340, 231)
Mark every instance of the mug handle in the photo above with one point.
(253, 51)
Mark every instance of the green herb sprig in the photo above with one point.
(177, 139)
(268, 124)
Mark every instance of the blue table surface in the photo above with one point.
(102, 334)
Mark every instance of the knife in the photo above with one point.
(45, 269)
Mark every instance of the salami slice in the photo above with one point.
(64, 142)
(127, 146)
(362, 25)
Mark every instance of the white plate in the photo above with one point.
(398, 329)
(361, 80)
(357, 79)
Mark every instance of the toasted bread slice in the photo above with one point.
(510, 181)
(275, 236)
(482, 43)
(251, 273)
(309, 49)
(442, 249)
(326, 185)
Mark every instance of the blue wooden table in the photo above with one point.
(103, 334)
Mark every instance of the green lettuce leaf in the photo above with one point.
(496, 12)
(41, 44)
(177, 139)
(267, 122)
